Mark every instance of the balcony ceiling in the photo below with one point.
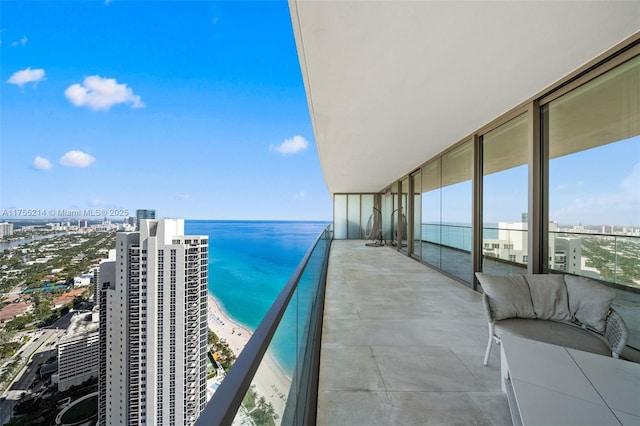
(391, 84)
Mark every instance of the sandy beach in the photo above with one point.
(270, 380)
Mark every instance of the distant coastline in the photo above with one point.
(250, 261)
(271, 382)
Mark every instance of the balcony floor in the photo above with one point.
(403, 345)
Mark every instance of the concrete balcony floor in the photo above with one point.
(403, 344)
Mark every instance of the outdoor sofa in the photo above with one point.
(563, 310)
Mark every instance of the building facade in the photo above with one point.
(78, 351)
(144, 214)
(153, 336)
(6, 229)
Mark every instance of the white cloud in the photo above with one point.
(41, 163)
(100, 93)
(291, 146)
(77, 159)
(184, 197)
(21, 42)
(97, 203)
(20, 78)
(300, 194)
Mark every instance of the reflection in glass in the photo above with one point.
(366, 212)
(395, 215)
(416, 231)
(505, 201)
(387, 215)
(404, 210)
(446, 212)
(457, 172)
(353, 215)
(340, 216)
(431, 183)
(593, 139)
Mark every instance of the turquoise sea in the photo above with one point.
(251, 261)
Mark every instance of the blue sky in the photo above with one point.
(194, 108)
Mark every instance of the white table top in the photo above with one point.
(557, 385)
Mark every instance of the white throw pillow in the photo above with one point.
(509, 295)
(549, 296)
(589, 301)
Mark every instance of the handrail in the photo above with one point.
(226, 400)
(595, 234)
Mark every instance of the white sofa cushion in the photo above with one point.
(556, 333)
(509, 296)
(549, 297)
(589, 301)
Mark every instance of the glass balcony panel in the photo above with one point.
(279, 389)
(609, 258)
(353, 216)
(340, 216)
(593, 139)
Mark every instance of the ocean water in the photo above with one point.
(455, 235)
(250, 262)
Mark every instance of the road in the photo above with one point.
(43, 344)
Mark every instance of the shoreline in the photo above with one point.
(270, 380)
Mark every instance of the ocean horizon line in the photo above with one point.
(327, 221)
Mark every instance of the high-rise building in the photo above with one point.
(78, 351)
(153, 327)
(96, 277)
(6, 229)
(144, 214)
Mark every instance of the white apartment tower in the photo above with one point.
(6, 229)
(153, 327)
(78, 351)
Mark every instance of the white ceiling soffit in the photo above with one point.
(390, 84)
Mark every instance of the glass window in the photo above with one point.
(505, 201)
(340, 216)
(387, 214)
(416, 231)
(431, 184)
(456, 199)
(367, 216)
(593, 142)
(395, 200)
(446, 212)
(366, 213)
(353, 216)
(403, 222)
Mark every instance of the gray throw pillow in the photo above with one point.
(549, 296)
(589, 301)
(509, 296)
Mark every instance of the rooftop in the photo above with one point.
(82, 323)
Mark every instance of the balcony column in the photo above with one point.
(538, 223)
(476, 220)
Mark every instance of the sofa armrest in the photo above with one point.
(616, 332)
(487, 307)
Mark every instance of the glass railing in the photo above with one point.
(610, 258)
(274, 380)
(504, 250)
(450, 236)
